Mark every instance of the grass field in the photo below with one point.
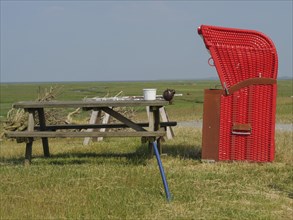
(114, 179)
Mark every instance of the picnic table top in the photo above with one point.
(89, 103)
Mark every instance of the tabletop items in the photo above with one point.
(168, 94)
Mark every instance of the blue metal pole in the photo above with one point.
(168, 195)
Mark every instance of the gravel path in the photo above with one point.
(198, 124)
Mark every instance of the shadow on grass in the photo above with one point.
(81, 158)
(11, 161)
(133, 158)
(139, 157)
(183, 152)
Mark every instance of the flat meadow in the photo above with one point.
(115, 178)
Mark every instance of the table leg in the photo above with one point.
(105, 120)
(28, 151)
(151, 150)
(29, 144)
(165, 118)
(45, 141)
(95, 119)
(154, 125)
(157, 127)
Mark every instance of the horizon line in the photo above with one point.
(170, 80)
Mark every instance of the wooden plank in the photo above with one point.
(147, 108)
(45, 141)
(95, 116)
(157, 117)
(104, 121)
(88, 104)
(29, 144)
(28, 151)
(156, 113)
(154, 125)
(123, 119)
(93, 126)
(31, 121)
(165, 118)
(151, 120)
(72, 134)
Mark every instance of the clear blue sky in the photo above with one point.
(127, 40)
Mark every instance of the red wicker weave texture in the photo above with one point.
(259, 145)
(240, 54)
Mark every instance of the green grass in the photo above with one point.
(114, 179)
(187, 107)
(285, 101)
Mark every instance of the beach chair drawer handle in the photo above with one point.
(241, 129)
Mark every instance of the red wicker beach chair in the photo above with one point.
(239, 120)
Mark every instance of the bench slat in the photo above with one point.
(52, 134)
(86, 126)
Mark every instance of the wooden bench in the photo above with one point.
(94, 126)
(73, 134)
(51, 131)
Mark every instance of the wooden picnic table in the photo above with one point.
(148, 131)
